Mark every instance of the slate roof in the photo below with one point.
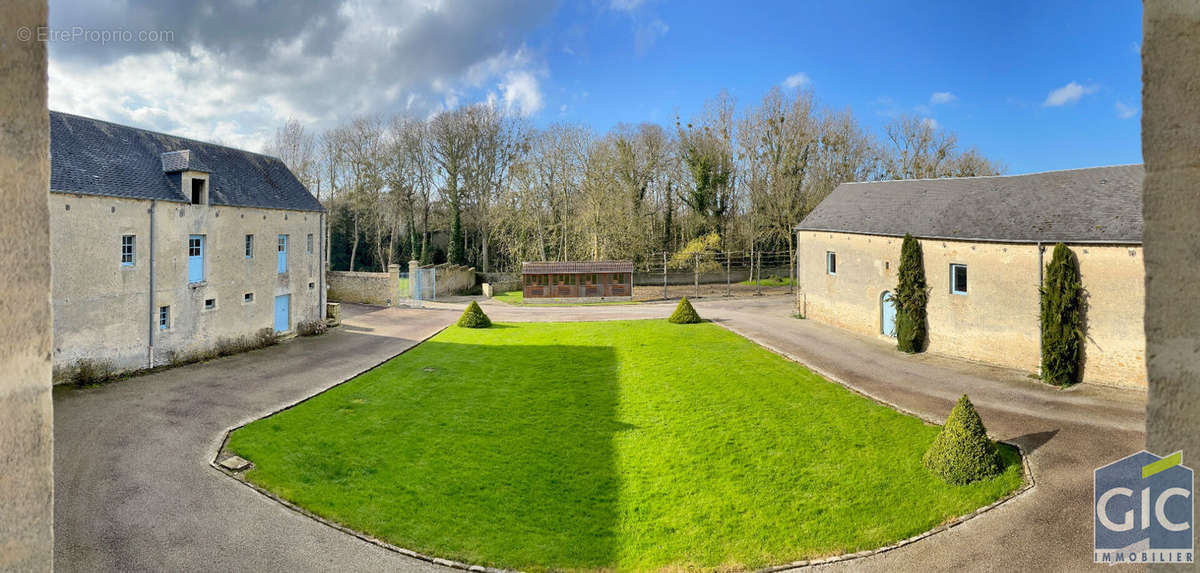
(576, 267)
(93, 157)
(1092, 205)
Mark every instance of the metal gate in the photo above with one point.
(422, 284)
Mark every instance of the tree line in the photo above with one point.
(481, 186)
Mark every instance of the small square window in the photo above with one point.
(127, 250)
(248, 297)
(831, 262)
(249, 246)
(958, 279)
(210, 304)
(310, 243)
(312, 286)
(164, 317)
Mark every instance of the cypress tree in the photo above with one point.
(1062, 319)
(910, 298)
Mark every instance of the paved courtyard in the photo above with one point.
(134, 491)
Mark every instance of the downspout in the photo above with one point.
(150, 296)
(1041, 271)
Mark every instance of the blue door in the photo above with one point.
(888, 311)
(195, 258)
(283, 305)
(282, 253)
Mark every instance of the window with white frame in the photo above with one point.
(958, 278)
(249, 246)
(127, 250)
(248, 297)
(831, 262)
(164, 317)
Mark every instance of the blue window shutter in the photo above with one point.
(283, 246)
(195, 258)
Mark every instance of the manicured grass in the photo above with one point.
(518, 297)
(632, 446)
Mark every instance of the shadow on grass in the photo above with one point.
(454, 450)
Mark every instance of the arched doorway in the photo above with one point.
(887, 313)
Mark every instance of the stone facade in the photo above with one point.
(26, 416)
(104, 311)
(997, 320)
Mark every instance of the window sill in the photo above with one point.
(198, 284)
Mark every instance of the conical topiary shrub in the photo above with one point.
(1062, 319)
(910, 298)
(962, 452)
(684, 313)
(474, 317)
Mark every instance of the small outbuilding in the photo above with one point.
(577, 281)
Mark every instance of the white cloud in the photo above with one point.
(625, 5)
(1125, 111)
(796, 80)
(1067, 94)
(645, 35)
(941, 98)
(357, 57)
(521, 92)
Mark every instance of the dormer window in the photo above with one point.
(199, 191)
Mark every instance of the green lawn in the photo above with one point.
(632, 446)
(518, 297)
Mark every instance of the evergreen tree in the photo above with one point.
(962, 453)
(684, 313)
(473, 317)
(1062, 319)
(455, 254)
(910, 298)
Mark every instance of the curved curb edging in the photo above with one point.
(1028, 481)
(215, 455)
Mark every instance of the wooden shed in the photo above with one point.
(575, 281)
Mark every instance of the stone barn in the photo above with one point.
(163, 247)
(985, 243)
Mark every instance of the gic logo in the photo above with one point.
(1143, 508)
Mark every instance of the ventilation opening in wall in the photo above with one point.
(210, 304)
(248, 297)
(311, 286)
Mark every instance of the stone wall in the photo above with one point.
(366, 288)
(26, 418)
(454, 279)
(1171, 149)
(997, 321)
(106, 311)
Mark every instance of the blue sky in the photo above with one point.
(1036, 85)
(1000, 61)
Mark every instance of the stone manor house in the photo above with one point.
(985, 242)
(162, 246)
